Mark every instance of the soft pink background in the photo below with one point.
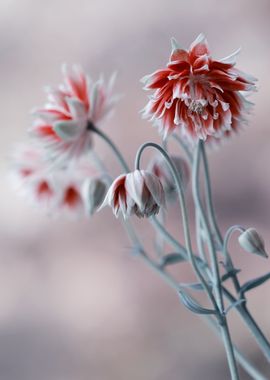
(74, 304)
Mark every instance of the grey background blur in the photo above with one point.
(74, 304)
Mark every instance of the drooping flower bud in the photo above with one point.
(160, 167)
(93, 192)
(139, 193)
(252, 242)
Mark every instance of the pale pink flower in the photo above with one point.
(62, 125)
(160, 167)
(54, 190)
(198, 95)
(139, 193)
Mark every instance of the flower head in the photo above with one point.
(197, 94)
(57, 190)
(62, 125)
(159, 166)
(140, 193)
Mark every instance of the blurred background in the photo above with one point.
(74, 303)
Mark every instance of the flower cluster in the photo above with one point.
(195, 94)
(53, 168)
(198, 95)
(57, 190)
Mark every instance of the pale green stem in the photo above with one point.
(241, 309)
(229, 263)
(250, 322)
(182, 203)
(200, 243)
(209, 202)
(113, 147)
(214, 264)
(246, 365)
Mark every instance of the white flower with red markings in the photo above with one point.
(63, 125)
(138, 193)
(199, 95)
(53, 189)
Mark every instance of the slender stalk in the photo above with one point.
(229, 263)
(215, 268)
(200, 243)
(113, 147)
(182, 202)
(242, 309)
(209, 202)
(242, 360)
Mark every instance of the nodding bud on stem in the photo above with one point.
(252, 242)
(94, 191)
(160, 167)
(138, 193)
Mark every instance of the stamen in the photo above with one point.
(197, 106)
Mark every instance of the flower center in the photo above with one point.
(197, 106)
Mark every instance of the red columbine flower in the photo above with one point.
(139, 193)
(62, 124)
(200, 96)
(54, 190)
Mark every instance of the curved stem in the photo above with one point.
(115, 150)
(214, 263)
(249, 368)
(184, 214)
(241, 309)
(229, 263)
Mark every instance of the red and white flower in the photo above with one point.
(57, 190)
(62, 125)
(138, 193)
(197, 94)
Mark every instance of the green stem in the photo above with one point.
(229, 262)
(182, 202)
(214, 264)
(209, 202)
(242, 360)
(113, 147)
(243, 311)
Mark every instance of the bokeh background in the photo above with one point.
(74, 303)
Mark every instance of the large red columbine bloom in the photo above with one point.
(200, 96)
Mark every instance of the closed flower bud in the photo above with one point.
(252, 242)
(139, 193)
(160, 167)
(93, 192)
